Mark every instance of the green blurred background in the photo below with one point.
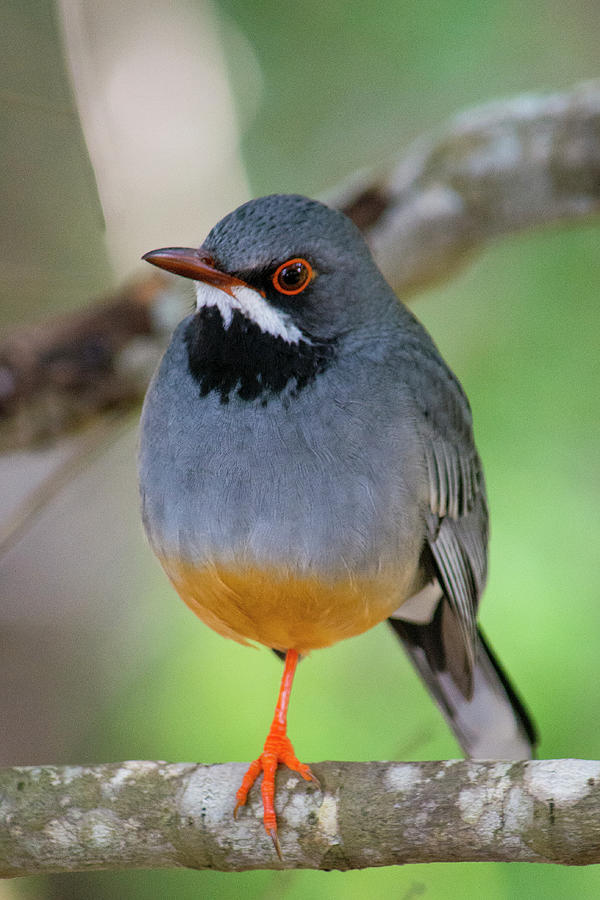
(122, 670)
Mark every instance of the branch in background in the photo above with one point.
(159, 815)
(495, 170)
(60, 375)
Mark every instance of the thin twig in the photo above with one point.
(89, 445)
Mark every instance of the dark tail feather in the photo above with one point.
(492, 723)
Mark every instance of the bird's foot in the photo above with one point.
(278, 749)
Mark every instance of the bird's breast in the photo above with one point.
(294, 524)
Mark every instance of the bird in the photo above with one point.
(308, 469)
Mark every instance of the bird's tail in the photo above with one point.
(490, 724)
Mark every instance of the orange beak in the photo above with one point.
(194, 264)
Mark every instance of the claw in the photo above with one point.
(315, 781)
(273, 834)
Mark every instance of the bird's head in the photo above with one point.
(292, 266)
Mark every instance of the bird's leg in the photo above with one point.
(278, 749)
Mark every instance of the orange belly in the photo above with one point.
(286, 611)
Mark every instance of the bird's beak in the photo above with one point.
(194, 264)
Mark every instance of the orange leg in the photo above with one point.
(278, 749)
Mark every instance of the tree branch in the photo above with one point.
(159, 815)
(60, 375)
(492, 171)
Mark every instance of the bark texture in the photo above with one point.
(158, 815)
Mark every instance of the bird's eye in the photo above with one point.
(293, 276)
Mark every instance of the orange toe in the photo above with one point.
(278, 749)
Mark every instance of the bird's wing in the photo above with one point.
(457, 517)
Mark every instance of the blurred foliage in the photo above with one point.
(347, 85)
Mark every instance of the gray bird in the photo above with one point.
(308, 469)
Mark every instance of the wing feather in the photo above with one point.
(457, 519)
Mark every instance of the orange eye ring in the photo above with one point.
(292, 276)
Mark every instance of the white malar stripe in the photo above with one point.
(250, 303)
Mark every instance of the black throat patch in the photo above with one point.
(243, 359)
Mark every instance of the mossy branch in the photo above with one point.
(159, 815)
